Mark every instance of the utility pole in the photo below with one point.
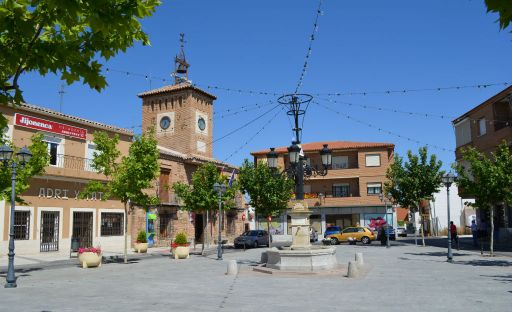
(61, 94)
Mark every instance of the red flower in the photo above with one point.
(96, 250)
(174, 245)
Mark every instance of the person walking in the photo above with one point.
(453, 232)
(474, 232)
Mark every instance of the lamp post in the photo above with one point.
(448, 179)
(299, 169)
(220, 189)
(385, 200)
(23, 156)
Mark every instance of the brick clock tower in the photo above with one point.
(181, 113)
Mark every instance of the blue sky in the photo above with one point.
(260, 45)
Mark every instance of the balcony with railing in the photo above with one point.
(72, 166)
(169, 198)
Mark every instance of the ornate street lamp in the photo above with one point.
(23, 157)
(385, 200)
(448, 179)
(220, 189)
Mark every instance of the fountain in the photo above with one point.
(301, 256)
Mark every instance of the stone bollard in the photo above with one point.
(232, 267)
(352, 271)
(359, 259)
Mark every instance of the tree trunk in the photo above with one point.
(268, 231)
(491, 246)
(125, 232)
(422, 219)
(414, 228)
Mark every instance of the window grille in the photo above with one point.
(112, 224)
(22, 225)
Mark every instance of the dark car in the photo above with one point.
(253, 238)
(336, 229)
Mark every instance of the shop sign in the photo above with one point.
(47, 192)
(49, 126)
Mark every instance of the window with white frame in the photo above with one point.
(55, 150)
(339, 162)
(374, 188)
(22, 225)
(482, 129)
(372, 160)
(89, 156)
(7, 133)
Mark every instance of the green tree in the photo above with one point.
(35, 166)
(199, 196)
(66, 37)
(128, 179)
(488, 179)
(411, 182)
(268, 190)
(503, 8)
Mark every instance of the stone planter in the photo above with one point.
(181, 252)
(89, 259)
(141, 247)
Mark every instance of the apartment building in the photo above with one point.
(485, 127)
(349, 194)
(54, 213)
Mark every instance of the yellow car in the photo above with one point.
(358, 233)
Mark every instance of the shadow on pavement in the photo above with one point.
(248, 262)
(501, 263)
(501, 278)
(21, 272)
(435, 254)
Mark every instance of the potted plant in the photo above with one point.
(180, 246)
(89, 257)
(141, 245)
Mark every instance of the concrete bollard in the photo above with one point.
(359, 259)
(232, 267)
(352, 271)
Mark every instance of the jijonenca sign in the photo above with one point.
(46, 192)
(49, 126)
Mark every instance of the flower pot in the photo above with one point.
(140, 247)
(89, 259)
(181, 252)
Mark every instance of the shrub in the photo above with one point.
(181, 239)
(141, 237)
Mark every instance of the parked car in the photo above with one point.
(359, 233)
(388, 229)
(401, 231)
(336, 229)
(253, 238)
(313, 235)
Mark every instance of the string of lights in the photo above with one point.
(369, 125)
(409, 113)
(310, 45)
(481, 86)
(253, 136)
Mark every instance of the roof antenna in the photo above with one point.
(61, 94)
(181, 66)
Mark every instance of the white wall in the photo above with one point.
(440, 210)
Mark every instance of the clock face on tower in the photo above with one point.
(165, 122)
(201, 123)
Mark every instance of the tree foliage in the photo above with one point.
(411, 182)
(503, 8)
(269, 192)
(128, 179)
(488, 179)
(35, 166)
(199, 196)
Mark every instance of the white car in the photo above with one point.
(401, 231)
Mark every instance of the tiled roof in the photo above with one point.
(187, 157)
(333, 145)
(177, 87)
(52, 113)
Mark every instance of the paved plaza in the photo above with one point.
(402, 278)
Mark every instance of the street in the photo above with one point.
(402, 277)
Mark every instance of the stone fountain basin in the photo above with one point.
(302, 259)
